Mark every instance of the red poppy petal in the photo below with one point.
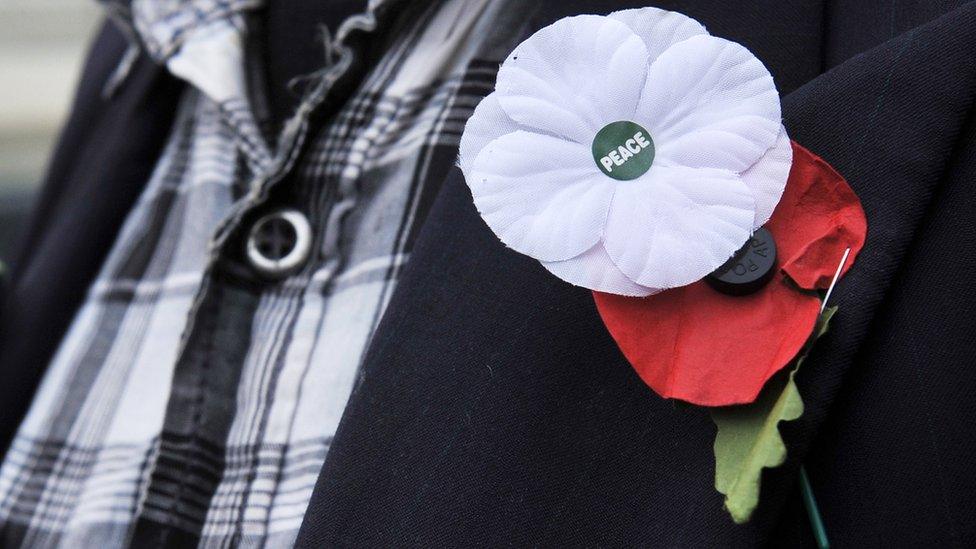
(698, 345)
(704, 347)
(818, 217)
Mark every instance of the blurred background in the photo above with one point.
(42, 45)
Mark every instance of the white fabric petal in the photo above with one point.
(573, 77)
(487, 123)
(543, 196)
(767, 177)
(673, 226)
(593, 269)
(721, 161)
(659, 29)
(709, 103)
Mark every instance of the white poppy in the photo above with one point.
(629, 153)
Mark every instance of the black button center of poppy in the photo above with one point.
(749, 269)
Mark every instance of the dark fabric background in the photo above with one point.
(493, 409)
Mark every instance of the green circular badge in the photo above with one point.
(623, 150)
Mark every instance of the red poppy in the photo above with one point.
(707, 348)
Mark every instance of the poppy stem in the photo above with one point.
(810, 502)
(806, 489)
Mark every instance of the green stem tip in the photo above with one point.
(810, 502)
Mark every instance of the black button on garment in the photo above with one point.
(749, 269)
(279, 243)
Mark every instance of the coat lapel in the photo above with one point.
(878, 120)
(104, 155)
(493, 408)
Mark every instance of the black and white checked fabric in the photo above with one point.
(192, 403)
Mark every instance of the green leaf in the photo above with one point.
(748, 438)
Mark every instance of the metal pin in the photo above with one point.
(840, 269)
(810, 502)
